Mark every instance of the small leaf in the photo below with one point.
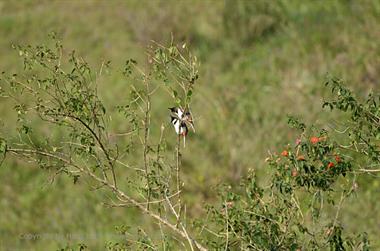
(189, 93)
(75, 178)
(175, 93)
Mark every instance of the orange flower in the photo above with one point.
(330, 165)
(294, 172)
(301, 157)
(314, 140)
(337, 158)
(285, 153)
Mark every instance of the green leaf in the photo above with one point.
(3, 149)
(76, 178)
(175, 93)
(188, 96)
(3, 146)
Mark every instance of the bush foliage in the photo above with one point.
(309, 178)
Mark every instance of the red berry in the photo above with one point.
(337, 158)
(314, 140)
(285, 153)
(330, 165)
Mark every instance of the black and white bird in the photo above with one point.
(181, 120)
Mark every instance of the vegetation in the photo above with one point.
(114, 175)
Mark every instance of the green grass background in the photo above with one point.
(260, 60)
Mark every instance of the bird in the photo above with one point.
(181, 120)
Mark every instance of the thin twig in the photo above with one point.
(178, 153)
(227, 232)
(183, 233)
(146, 137)
(104, 150)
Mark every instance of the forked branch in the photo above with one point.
(68, 162)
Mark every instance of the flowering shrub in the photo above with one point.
(288, 212)
(318, 172)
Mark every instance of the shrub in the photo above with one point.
(309, 178)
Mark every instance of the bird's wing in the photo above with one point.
(176, 123)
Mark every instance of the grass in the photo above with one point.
(250, 80)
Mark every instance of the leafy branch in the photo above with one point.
(64, 98)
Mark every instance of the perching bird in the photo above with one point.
(181, 120)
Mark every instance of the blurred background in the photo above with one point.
(260, 60)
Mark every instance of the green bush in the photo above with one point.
(310, 177)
